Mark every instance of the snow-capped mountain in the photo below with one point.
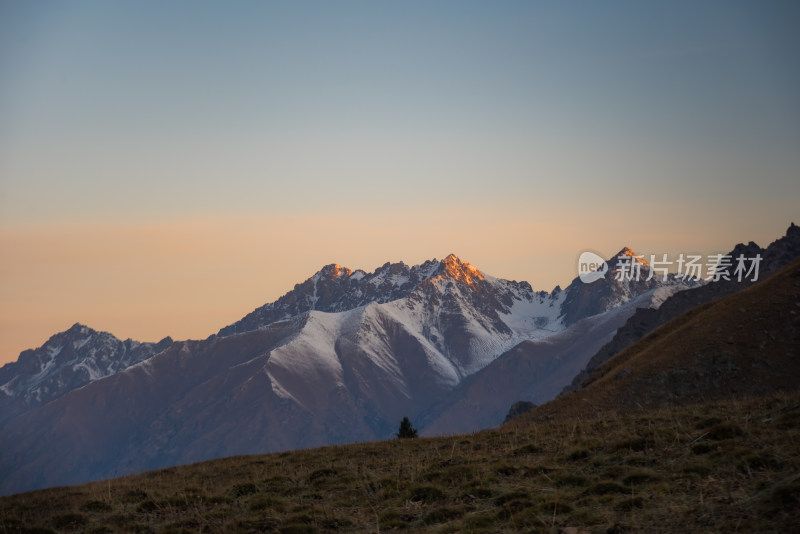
(584, 300)
(336, 289)
(68, 360)
(535, 370)
(340, 358)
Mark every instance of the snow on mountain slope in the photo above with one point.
(340, 358)
(459, 318)
(384, 321)
(535, 370)
(309, 359)
(450, 313)
(537, 315)
(456, 322)
(398, 355)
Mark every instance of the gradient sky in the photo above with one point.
(166, 167)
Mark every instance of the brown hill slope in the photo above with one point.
(732, 466)
(741, 345)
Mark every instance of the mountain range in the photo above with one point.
(340, 358)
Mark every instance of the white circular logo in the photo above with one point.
(591, 267)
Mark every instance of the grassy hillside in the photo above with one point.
(745, 344)
(725, 467)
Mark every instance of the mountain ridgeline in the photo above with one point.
(341, 358)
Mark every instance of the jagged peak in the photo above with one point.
(74, 331)
(334, 270)
(79, 328)
(627, 251)
(392, 268)
(453, 267)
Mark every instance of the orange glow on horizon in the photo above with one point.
(189, 278)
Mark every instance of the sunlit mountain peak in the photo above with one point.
(462, 271)
(334, 270)
(626, 251)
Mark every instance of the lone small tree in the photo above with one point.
(406, 430)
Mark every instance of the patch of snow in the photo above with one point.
(652, 298)
(49, 365)
(399, 279)
(315, 298)
(279, 390)
(357, 275)
(535, 318)
(80, 343)
(663, 293)
(54, 351)
(251, 360)
(443, 367)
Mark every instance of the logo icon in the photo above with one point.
(591, 267)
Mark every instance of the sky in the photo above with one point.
(167, 167)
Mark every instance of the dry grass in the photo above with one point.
(727, 467)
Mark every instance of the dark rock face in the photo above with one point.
(584, 300)
(775, 257)
(335, 288)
